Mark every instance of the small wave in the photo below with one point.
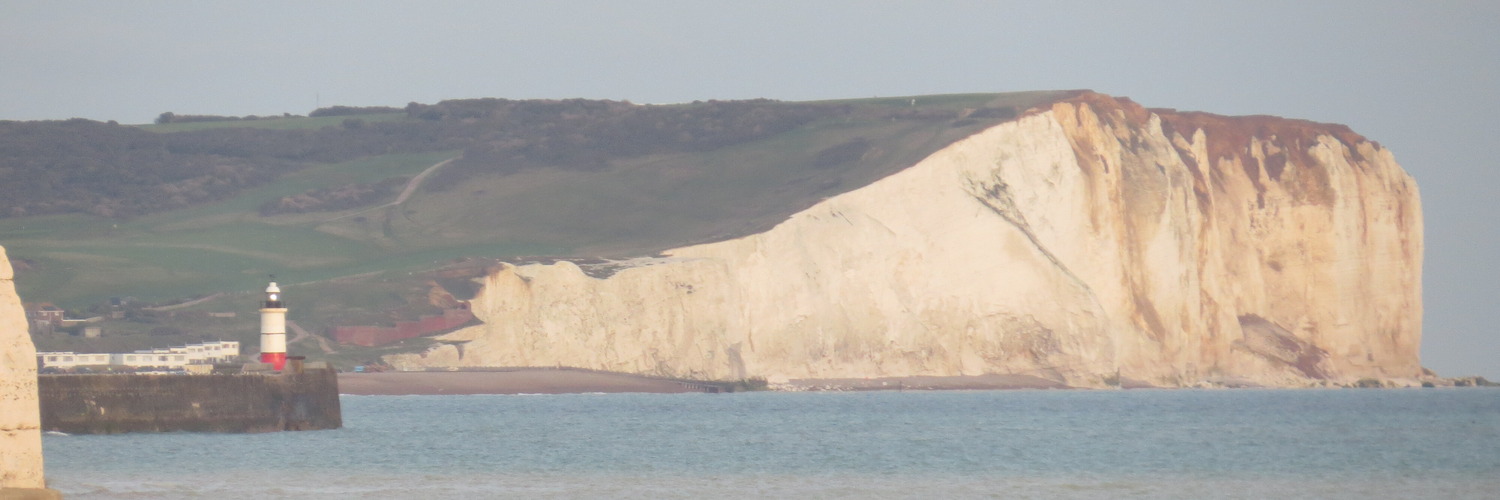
(55, 433)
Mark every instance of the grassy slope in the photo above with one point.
(636, 206)
(225, 246)
(642, 205)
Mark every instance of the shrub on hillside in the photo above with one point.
(334, 198)
(352, 111)
(842, 153)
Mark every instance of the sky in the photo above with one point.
(1421, 78)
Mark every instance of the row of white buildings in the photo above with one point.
(207, 353)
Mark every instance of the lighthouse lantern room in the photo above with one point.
(273, 328)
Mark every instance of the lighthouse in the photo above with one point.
(273, 328)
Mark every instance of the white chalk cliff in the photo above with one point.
(20, 416)
(1081, 241)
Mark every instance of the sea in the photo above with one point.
(1198, 444)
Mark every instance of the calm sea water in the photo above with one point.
(1431, 443)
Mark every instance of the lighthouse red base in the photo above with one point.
(276, 359)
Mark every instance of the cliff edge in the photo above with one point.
(20, 416)
(1087, 241)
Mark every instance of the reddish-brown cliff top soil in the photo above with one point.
(1230, 136)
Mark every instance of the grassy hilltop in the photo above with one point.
(357, 209)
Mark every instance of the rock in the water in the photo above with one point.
(20, 417)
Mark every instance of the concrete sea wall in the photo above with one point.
(110, 404)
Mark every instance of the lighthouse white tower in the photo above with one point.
(273, 328)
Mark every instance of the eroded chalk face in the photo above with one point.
(1087, 241)
(20, 414)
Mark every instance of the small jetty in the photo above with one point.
(302, 397)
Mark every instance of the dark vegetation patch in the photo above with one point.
(842, 153)
(995, 113)
(170, 117)
(352, 111)
(334, 198)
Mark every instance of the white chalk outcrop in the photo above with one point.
(20, 416)
(1083, 241)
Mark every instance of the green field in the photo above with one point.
(227, 246)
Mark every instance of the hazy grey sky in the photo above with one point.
(1421, 77)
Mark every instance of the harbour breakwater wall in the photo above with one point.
(110, 404)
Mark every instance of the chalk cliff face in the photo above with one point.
(20, 418)
(1083, 241)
